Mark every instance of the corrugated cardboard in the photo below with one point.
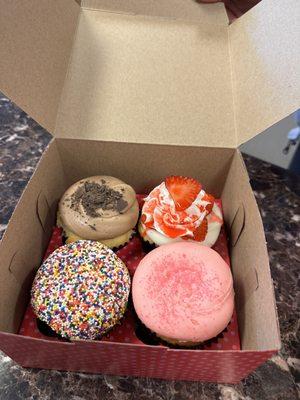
(249, 260)
(139, 79)
(160, 91)
(188, 10)
(26, 239)
(35, 46)
(225, 176)
(265, 60)
(200, 81)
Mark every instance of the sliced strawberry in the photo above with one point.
(210, 199)
(172, 231)
(147, 221)
(201, 231)
(182, 190)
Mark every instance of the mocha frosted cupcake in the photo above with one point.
(101, 208)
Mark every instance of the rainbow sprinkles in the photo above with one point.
(81, 290)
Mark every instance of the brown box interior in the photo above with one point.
(142, 89)
(221, 171)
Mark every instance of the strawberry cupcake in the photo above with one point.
(183, 293)
(180, 210)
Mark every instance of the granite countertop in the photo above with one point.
(22, 142)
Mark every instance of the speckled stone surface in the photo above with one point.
(22, 142)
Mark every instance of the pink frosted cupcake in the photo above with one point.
(180, 210)
(183, 292)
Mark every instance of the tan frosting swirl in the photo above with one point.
(105, 220)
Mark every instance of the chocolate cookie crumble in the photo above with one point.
(94, 196)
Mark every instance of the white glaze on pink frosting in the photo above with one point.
(184, 291)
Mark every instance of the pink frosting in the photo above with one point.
(184, 291)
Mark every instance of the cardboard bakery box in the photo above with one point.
(140, 90)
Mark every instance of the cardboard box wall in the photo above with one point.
(140, 90)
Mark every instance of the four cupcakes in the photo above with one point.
(181, 291)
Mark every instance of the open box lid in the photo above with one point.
(167, 71)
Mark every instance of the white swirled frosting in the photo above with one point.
(162, 223)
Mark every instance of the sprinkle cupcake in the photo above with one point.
(180, 210)
(101, 208)
(81, 290)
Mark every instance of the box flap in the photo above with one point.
(265, 51)
(142, 78)
(254, 293)
(148, 80)
(36, 41)
(177, 9)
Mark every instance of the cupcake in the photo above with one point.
(101, 208)
(180, 210)
(183, 292)
(81, 290)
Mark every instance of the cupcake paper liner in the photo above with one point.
(149, 337)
